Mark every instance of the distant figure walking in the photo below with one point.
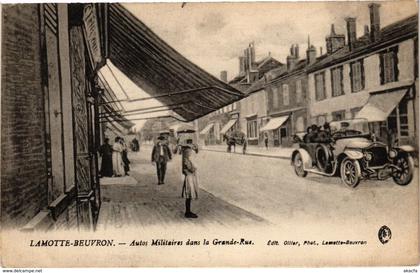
(135, 145)
(266, 140)
(117, 162)
(161, 154)
(124, 157)
(190, 187)
(105, 151)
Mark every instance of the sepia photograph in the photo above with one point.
(210, 134)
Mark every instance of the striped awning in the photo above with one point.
(161, 71)
(207, 129)
(228, 125)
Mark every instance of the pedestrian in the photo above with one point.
(161, 154)
(105, 151)
(117, 163)
(266, 140)
(124, 157)
(190, 187)
(136, 145)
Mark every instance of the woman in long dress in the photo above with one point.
(117, 162)
(190, 187)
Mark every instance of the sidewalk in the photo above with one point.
(136, 201)
(274, 152)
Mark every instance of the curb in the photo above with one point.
(249, 154)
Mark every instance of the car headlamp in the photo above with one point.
(393, 153)
(368, 156)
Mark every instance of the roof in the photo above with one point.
(161, 71)
(263, 66)
(390, 34)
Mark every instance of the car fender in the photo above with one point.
(406, 148)
(352, 154)
(306, 158)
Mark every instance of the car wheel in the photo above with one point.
(403, 176)
(298, 164)
(350, 172)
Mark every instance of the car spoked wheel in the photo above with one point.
(298, 164)
(404, 174)
(350, 172)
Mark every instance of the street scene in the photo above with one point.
(268, 194)
(166, 119)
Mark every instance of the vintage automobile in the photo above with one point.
(347, 149)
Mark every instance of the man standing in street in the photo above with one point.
(161, 154)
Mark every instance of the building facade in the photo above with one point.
(50, 127)
(287, 99)
(374, 77)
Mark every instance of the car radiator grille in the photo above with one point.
(379, 156)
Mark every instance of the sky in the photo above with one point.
(214, 35)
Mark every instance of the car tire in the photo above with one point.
(406, 163)
(350, 172)
(298, 165)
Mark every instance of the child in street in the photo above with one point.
(190, 187)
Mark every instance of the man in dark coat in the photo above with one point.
(161, 154)
(105, 151)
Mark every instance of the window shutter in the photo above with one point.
(381, 67)
(351, 76)
(395, 56)
(362, 74)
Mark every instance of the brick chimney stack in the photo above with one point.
(223, 76)
(334, 41)
(241, 64)
(351, 32)
(293, 57)
(375, 21)
(310, 53)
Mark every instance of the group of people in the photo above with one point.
(161, 154)
(115, 162)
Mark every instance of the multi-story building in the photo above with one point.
(215, 125)
(374, 77)
(287, 99)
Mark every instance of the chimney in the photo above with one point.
(223, 76)
(292, 59)
(375, 21)
(334, 41)
(241, 64)
(366, 31)
(310, 53)
(351, 32)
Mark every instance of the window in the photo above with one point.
(338, 115)
(337, 81)
(285, 94)
(275, 92)
(252, 129)
(357, 76)
(320, 86)
(399, 114)
(298, 91)
(389, 65)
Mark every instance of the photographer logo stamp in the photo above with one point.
(384, 234)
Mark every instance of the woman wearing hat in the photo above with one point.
(117, 163)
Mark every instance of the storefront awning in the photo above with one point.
(274, 123)
(250, 116)
(228, 125)
(207, 129)
(380, 105)
(161, 71)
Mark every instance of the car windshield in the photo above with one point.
(350, 127)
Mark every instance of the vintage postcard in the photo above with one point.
(252, 134)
